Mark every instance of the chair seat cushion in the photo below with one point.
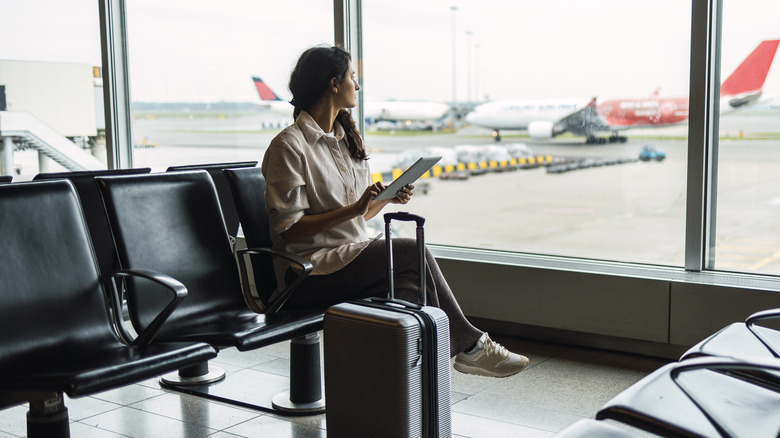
(104, 369)
(247, 330)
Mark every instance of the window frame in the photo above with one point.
(701, 187)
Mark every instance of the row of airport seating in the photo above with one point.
(728, 385)
(108, 278)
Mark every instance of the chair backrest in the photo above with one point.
(95, 213)
(52, 304)
(223, 190)
(5, 179)
(248, 186)
(171, 222)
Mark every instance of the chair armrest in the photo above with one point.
(148, 334)
(273, 307)
(762, 315)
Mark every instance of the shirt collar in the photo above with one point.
(312, 131)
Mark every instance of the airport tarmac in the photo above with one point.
(632, 212)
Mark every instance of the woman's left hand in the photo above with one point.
(404, 195)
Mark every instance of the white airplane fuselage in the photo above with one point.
(519, 114)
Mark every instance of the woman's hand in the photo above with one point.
(404, 195)
(362, 204)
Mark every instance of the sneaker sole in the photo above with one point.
(473, 370)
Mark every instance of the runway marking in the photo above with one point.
(765, 262)
(745, 254)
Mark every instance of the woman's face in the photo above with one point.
(347, 90)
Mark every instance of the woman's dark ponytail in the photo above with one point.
(354, 142)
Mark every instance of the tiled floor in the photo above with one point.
(562, 384)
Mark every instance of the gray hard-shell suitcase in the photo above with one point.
(387, 362)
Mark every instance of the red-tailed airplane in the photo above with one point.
(270, 99)
(546, 118)
(397, 111)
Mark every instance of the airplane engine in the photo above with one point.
(540, 129)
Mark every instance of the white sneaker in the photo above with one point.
(490, 359)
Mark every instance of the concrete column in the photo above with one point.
(44, 163)
(7, 158)
(99, 147)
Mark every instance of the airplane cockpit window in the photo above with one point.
(51, 89)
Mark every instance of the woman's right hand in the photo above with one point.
(362, 204)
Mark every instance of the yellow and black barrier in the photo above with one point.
(472, 168)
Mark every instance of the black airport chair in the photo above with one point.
(248, 186)
(590, 428)
(95, 214)
(701, 397)
(223, 190)
(171, 221)
(57, 333)
(5, 179)
(747, 339)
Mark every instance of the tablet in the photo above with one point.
(415, 171)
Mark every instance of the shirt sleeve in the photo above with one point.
(285, 193)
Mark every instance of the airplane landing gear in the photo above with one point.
(592, 139)
(615, 138)
(496, 135)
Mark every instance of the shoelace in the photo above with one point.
(492, 346)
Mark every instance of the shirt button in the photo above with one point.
(343, 169)
(351, 194)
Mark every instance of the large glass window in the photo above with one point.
(747, 237)
(579, 95)
(51, 90)
(201, 75)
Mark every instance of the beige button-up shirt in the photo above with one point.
(309, 171)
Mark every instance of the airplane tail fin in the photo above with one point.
(263, 90)
(749, 77)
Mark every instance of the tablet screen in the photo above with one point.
(411, 175)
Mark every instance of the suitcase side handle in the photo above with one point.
(395, 302)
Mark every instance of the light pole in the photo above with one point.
(468, 66)
(454, 83)
(476, 72)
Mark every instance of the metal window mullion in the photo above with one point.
(116, 86)
(702, 133)
(348, 29)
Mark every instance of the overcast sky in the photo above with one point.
(198, 50)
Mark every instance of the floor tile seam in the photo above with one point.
(507, 422)
(11, 434)
(144, 412)
(275, 373)
(235, 367)
(523, 423)
(546, 407)
(470, 394)
(552, 408)
(100, 428)
(96, 396)
(116, 406)
(617, 385)
(519, 378)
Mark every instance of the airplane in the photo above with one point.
(375, 111)
(546, 118)
(271, 100)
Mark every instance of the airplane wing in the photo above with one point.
(586, 121)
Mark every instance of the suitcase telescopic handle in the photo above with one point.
(407, 217)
